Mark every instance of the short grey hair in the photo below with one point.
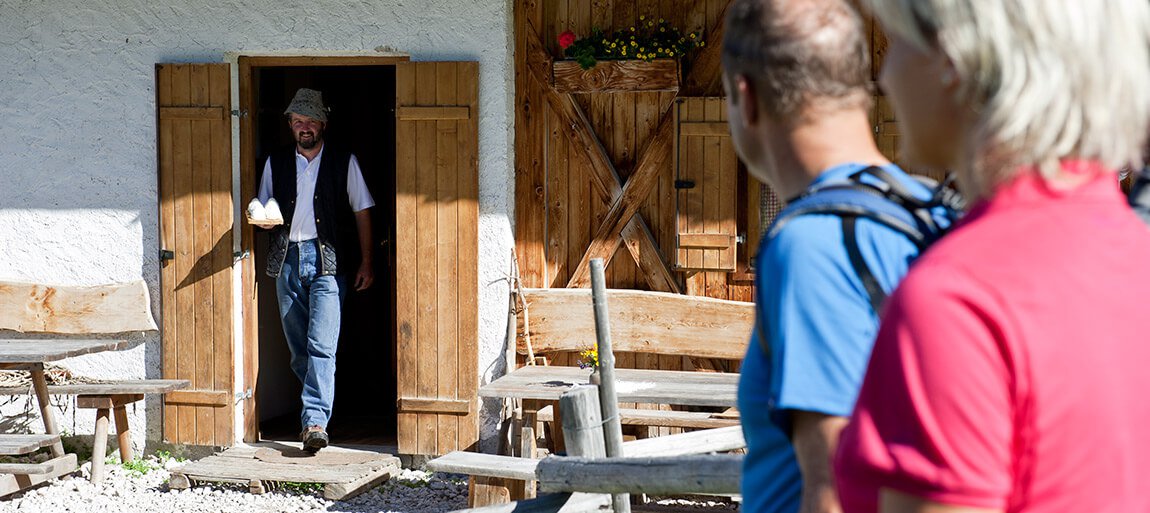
(1048, 79)
(799, 54)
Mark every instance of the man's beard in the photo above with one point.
(308, 144)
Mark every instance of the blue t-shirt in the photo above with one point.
(820, 329)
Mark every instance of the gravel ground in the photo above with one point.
(128, 491)
(143, 488)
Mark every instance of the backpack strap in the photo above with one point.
(874, 290)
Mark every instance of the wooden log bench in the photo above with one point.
(107, 399)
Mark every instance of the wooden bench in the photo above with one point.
(80, 311)
(708, 331)
(107, 398)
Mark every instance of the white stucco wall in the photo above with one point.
(78, 201)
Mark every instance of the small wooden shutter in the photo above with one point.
(195, 164)
(706, 200)
(436, 245)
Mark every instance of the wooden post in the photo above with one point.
(608, 399)
(583, 422)
(40, 384)
(100, 445)
(123, 433)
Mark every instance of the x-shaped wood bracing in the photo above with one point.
(621, 222)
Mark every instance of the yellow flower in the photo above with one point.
(702, 44)
(692, 35)
(634, 43)
(661, 20)
(632, 29)
(612, 45)
(641, 18)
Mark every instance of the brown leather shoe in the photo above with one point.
(314, 438)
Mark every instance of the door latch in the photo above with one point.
(167, 254)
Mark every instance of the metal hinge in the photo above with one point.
(240, 255)
(240, 113)
(167, 254)
(246, 394)
(684, 184)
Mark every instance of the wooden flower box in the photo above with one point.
(616, 76)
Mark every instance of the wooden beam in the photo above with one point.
(449, 406)
(263, 61)
(551, 503)
(432, 113)
(705, 129)
(706, 240)
(218, 398)
(616, 76)
(641, 321)
(208, 113)
(684, 444)
(707, 474)
(106, 402)
(11, 483)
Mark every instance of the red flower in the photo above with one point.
(567, 38)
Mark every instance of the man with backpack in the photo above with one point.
(797, 77)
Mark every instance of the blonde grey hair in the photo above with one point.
(1048, 79)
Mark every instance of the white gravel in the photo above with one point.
(123, 490)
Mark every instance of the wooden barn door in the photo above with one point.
(436, 245)
(196, 216)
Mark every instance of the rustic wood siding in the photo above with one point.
(196, 211)
(437, 212)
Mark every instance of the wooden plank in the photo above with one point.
(214, 468)
(203, 241)
(706, 240)
(347, 489)
(661, 418)
(467, 349)
(530, 133)
(641, 321)
(491, 465)
(695, 198)
(427, 254)
(168, 198)
(200, 113)
(447, 264)
(183, 305)
(406, 258)
(714, 206)
(704, 128)
(113, 308)
(13, 482)
(558, 166)
(439, 406)
(708, 474)
(151, 386)
(696, 442)
(222, 342)
(432, 113)
(729, 193)
(106, 402)
(212, 398)
(35, 351)
(326, 60)
(616, 76)
(11, 445)
(636, 385)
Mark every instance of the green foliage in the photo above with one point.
(301, 488)
(649, 41)
(140, 467)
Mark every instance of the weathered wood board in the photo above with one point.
(241, 465)
(73, 310)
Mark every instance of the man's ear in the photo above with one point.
(748, 103)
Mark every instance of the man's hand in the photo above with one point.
(815, 437)
(364, 277)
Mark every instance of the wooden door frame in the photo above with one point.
(249, 308)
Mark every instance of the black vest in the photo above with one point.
(334, 219)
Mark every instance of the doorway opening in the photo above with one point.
(361, 99)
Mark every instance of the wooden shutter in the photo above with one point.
(436, 245)
(706, 200)
(195, 163)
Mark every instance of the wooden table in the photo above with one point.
(31, 355)
(632, 385)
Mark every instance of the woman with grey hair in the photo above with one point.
(1009, 370)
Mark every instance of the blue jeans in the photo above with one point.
(310, 312)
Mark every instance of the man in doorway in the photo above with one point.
(325, 202)
(797, 78)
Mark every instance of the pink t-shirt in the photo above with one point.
(1012, 368)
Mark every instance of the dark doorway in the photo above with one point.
(362, 119)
